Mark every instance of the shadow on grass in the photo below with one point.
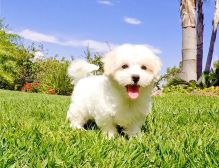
(91, 125)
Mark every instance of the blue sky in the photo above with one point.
(67, 27)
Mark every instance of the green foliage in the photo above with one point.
(8, 62)
(53, 73)
(13, 59)
(180, 86)
(210, 91)
(7, 70)
(181, 131)
(17, 68)
(216, 64)
(95, 59)
(175, 84)
(211, 78)
(170, 74)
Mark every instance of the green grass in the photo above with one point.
(181, 131)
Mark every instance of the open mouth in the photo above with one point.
(133, 91)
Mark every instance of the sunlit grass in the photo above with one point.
(182, 131)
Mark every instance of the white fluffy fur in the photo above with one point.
(104, 98)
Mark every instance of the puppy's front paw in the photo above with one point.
(76, 126)
(110, 133)
(133, 131)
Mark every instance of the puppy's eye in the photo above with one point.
(125, 66)
(143, 67)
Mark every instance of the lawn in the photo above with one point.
(181, 131)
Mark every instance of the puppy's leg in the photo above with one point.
(76, 117)
(133, 130)
(108, 128)
(110, 132)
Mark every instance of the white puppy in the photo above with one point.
(121, 96)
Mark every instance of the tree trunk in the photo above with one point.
(189, 42)
(211, 50)
(200, 30)
(213, 36)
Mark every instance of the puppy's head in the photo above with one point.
(133, 67)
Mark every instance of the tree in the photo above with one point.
(13, 59)
(200, 29)
(213, 36)
(8, 62)
(189, 42)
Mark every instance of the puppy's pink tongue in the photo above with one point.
(133, 91)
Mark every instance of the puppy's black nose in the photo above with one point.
(135, 78)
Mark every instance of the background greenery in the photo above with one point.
(20, 69)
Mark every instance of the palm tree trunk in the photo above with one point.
(213, 36)
(189, 42)
(200, 29)
(211, 50)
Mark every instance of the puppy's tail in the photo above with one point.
(79, 69)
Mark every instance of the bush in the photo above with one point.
(51, 72)
(19, 71)
(210, 78)
(179, 85)
(36, 87)
(96, 59)
(15, 65)
(207, 85)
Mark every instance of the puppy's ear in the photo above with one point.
(108, 61)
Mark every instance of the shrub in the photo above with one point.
(95, 59)
(211, 78)
(168, 77)
(179, 85)
(208, 84)
(36, 87)
(14, 58)
(51, 72)
(211, 91)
